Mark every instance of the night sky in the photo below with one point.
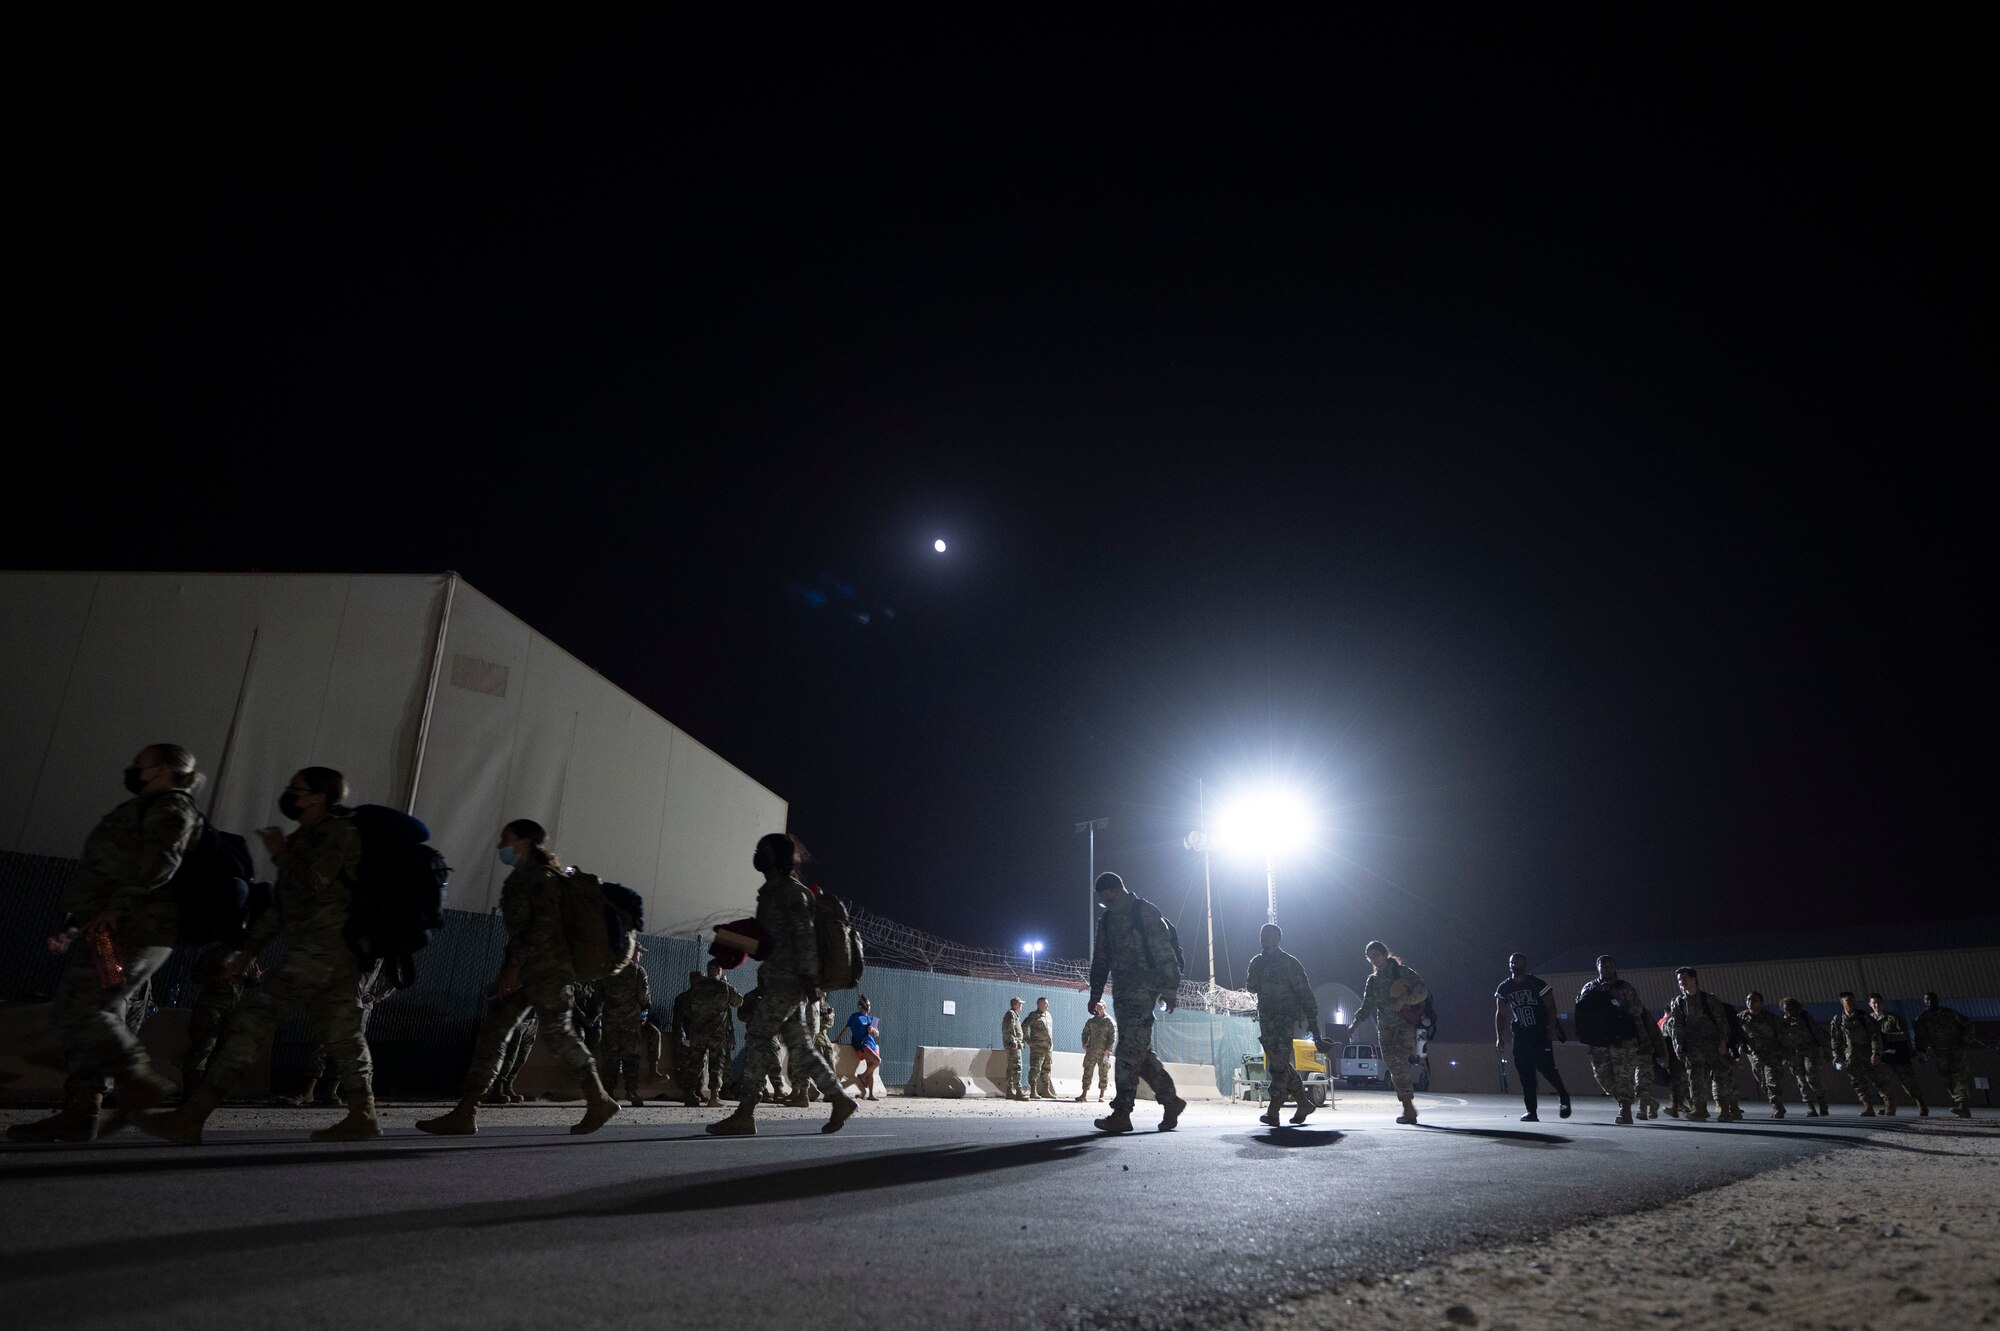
(1553, 447)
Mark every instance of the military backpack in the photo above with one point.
(399, 892)
(840, 953)
(601, 921)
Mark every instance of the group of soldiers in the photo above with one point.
(1036, 1033)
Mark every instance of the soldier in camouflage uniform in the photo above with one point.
(1039, 1031)
(1804, 1045)
(627, 995)
(787, 981)
(711, 1030)
(1857, 1051)
(821, 1014)
(1623, 1068)
(119, 890)
(1945, 1036)
(1138, 954)
(1100, 1036)
(520, 1043)
(317, 865)
(537, 976)
(1391, 989)
(1701, 1039)
(1284, 1000)
(1011, 1039)
(1899, 1063)
(1765, 1036)
(218, 993)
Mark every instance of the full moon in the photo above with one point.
(938, 546)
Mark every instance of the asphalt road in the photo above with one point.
(918, 1214)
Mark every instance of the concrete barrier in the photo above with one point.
(961, 1074)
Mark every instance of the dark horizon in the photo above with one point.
(1551, 442)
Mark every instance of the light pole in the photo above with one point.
(1033, 950)
(1094, 826)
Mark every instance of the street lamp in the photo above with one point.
(1092, 826)
(1268, 822)
(1033, 950)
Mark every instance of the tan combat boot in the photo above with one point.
(182, 1126)
(1171, 1119)
(1624, 1113)
(1303, 1111)
(1270, 1114)
(1409, 1114)
(741, 1123)
(843, 1109)
(598, 1107)
(76, 1121)
(1118, 1120)
(462, 1121)
(360, 1125)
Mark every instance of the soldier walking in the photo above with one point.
(1898, 1058)
(218, 993)
(1011, 1040)
(537, 976)
(1394, 994)
(1764, 1036)
(1857, 1051)
(1040, 1032)
(1100, 1035)
(1701, 1038)
(1946, 1035)
(1284, 999)
(317, 867)
(707, 1029)
(1621, 1047)
(118, 902)
(1804, 1045)
(1139, 955)
(1522, 1004)
(627, 995)
(787, 981)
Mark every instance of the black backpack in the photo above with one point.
(212, 887)
(399, 893)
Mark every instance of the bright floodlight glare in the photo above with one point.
(1268, 822)
(938, 546)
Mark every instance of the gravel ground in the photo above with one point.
(1905, 1235)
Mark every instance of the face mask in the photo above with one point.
(508, 857)
(134, 782)
(288, 804)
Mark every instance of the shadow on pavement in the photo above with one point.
(1519, 1136)
(1790, 1134)
(1294, 1137)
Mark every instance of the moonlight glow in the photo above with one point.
(938, 546)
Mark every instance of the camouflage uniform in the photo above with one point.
(1284, 999)
(788, 973)
(1624, 1069)
(1011, 1040)
(217, 996)
(373, 991)
(1039, 1031)
(710, 1032)
(1126, 958)
(1677, 1079)
(520, 1042)
(1394, 986)
(1701, 1024)
(822, 1037)
(127, 861)
(1857, 1043)
(626, 997)
(1803, 1044)
(1899, 1066)
(1100, 1036)
(538, 950)
(320, 973)
(1945, 1035)
(1764, 1034)
(587, 1011)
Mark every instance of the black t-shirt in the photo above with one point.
(1524, 1003)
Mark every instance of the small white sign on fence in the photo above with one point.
(950, 1008)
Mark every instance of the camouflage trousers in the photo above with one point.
(1764, 1071)
(1398, 1040)
(1950, 1064)
(317, 1060)
(779, 1022)
(1709, 1073)
(1804, 1067)
(1870, 1085)
(207, 1024)
(1134, 1060)
(1286, 1084)
(1014, 1070)
(825, 1047)
(623, 1056)
(548, 997)
(98, 1043)
(322, 977)
(1624, 1071)
(1099, 1062)
(693, 1061)
(1902, 1073)
(520, 1043)
(1040, 1058)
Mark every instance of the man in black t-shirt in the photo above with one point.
(1522, 1004)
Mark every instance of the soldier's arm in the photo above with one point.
(164, 833)
(1100, 962)
(260, 936)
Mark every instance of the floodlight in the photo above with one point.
(1264, 823)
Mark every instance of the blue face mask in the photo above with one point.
(508, 857)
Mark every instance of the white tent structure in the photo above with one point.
(426, 693)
